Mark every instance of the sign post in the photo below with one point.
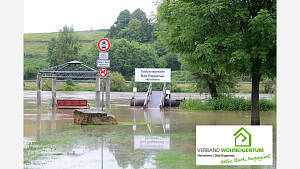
(103, 62)
(134, 91)
(102, 73)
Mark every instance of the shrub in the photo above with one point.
(30, 72)
(47, 85)
(117, 82)
(230, 104)
(194, 104)
(68, 88)
(227, 104)
(266, 105)
(70, 82)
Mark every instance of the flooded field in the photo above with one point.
(150, 138)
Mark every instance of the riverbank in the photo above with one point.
(179, 87)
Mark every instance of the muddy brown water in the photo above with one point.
(122, 146)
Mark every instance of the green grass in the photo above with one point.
(35, 49)
(36, 61)
(82, 35)
(175, 160)
(227, 104)
(38, 150)
(121, 123)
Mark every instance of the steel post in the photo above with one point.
(97, 92)
(107, 93)
(53, 90)
(102, 93)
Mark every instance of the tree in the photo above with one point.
(168, 58)
(126, 56)
(139, 15)
(117, 82)
(65, 48)
(172, 61)
(224, 36)
(121, 22)
(133, 26)
(182, 28)
(133, 31)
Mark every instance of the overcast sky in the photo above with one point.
(52, 15)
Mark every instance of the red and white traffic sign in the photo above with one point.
(103, 45)
(103, 72)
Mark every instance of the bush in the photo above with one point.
(230, 104)
(141, 87)
(30, 72)
(117, 82)
(47, 85)
(266, 105)
(70, 82)
(68, 88)
(194, 105)
(268, 87)
(227, 104)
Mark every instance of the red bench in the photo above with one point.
(72, 104)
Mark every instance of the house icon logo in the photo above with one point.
(242, 138)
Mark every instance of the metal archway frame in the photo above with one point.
(65, 71)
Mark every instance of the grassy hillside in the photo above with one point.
(36, 49)
(40, 49)
(82, 35)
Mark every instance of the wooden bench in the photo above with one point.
(72, 104)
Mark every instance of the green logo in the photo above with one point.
(242, 138)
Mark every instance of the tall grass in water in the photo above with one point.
(194, 104)
(227, 104)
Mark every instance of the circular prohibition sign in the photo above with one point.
(103, 72)
(103, 45)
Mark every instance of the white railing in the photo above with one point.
(163, 96)
(149, 92)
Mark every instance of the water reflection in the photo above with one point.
(153, 141)
(53, 119)
(38, 124)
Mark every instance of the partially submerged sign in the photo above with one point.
(152, 75)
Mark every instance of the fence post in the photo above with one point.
(39, 90)
(53, 90)
(39, 105)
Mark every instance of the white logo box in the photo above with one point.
(230, 145)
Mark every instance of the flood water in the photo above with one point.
(122, 146)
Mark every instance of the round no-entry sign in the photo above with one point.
(103, 45)
(103, 72)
